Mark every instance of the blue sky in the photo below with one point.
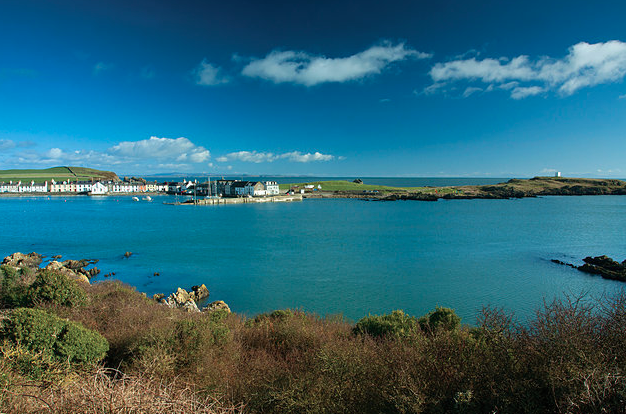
(356, 88)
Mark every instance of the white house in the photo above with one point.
(98, 189)
(33, 187)
(83, 186)
(10, 187)
(249, 188)
(271, 188)
(121, 187)
(64, 187)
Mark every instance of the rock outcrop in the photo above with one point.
(600, 265)
(218, 305)
(181, 299)
(199, 292)
(69, 273)
(21, 260)
(605, 267)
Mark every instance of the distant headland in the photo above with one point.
(514, 188)
(80, 180)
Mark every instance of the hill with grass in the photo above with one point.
(58, 174)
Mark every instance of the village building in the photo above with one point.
(10, 187)
(98, 189)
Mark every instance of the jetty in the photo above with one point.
(212, 201)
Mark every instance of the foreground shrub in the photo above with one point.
(397, 324)
(55, 288)
(107, 392)
(14, 286)
(441, 318)
(48, 334)
(182, 345)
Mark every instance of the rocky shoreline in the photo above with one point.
(512, 189)
(76, 270)
(603, 266)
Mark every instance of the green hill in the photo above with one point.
(57, 174)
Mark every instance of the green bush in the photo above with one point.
(56, 288)
(13, 286)
(397, 323)
(440, 319)
(64, 340)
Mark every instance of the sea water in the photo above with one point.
(334, 256)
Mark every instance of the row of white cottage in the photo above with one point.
(78, 187)
(232, 188)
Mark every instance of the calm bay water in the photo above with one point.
(334, 255)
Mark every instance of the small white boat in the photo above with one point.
(135, 198)
(147, 198)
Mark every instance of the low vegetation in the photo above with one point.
(118, 352)
(342, 186)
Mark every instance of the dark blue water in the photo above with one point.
(334, 255)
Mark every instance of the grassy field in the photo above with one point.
(348, 186)
(55, 173)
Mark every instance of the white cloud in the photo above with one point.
(521, 92)
(585, 65)
(622, 96)
(148, 152)
(249, 156)
(297, 156)
(207, 74)
(259, 157)
(180, 149)
(309, 70)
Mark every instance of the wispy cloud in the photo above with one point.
(259, 157)
(148, 72)
(7, 144)
(306, 69)
(100, 67)
(585, 65)
(207, 74)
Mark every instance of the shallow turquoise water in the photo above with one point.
(334, 256)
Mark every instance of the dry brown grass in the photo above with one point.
(108, 391)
